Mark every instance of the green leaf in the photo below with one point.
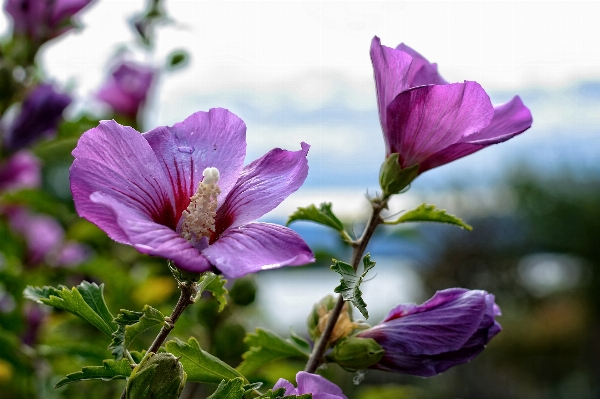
(350, 283)
(131, 324)
(266, 346)
(214, 284)
(200, 365)
(300, 342)
(85, 301)
(177, 59)
(232, 389)
(429, 213)
(110, 370)
(251, 387)
(324, 215)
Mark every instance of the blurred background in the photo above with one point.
(300, 71)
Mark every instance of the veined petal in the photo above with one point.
(117, 161)
(290, 389)
(216, 138)
(262, 186)
(152, 238)
(257, 246)
(390, 68)
(510, 119)
(421, 71)
(427, 119)
(437, 326)
(320, 387)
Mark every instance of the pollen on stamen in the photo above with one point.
(198, 220)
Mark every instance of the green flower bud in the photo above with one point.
(158, 376)
(356, 353)
(393, 178)
(243, 291)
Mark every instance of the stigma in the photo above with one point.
(198, 220)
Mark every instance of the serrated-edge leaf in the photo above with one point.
(252, 387)
(350, 283)
(131, 324)
(429, 213)
(215, 284)
(266, 346)
(323, 215)
(72, 300)
(300, 342)
(200, 365)
(110, 370)
(229, 389)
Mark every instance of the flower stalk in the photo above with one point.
(186, 297)
(359, 246)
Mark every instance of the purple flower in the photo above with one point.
(429, 122)
(42, 20)
(22, 170)
(181, 193)
(39, 117)
(449, 329)
(319, 387)
(127, 88)
(44, 237)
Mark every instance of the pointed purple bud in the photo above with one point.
(20, 171)
(449, 329)
(39, 117)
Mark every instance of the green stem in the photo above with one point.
(186, 298)
(359, 246)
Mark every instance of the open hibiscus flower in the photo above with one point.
(182, 193)
(429, 122)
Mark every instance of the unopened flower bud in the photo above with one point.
(393, 178)
(158, 376)
(357, 353)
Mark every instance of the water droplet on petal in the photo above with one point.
(186, 149)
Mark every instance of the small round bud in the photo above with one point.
(357, 353)
(158, 376)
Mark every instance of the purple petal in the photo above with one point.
(257, 246)
(443, 324)
(152, 238)
(22, 170)
(319, 387)
(421, 71)
(262, 186)
(390, 68)
(427, 119)
(117, 161)
(510, 119)
(39, 117)
(65, 9)
(216, 138)
(127, 88)
(43, 234)
(289, 388)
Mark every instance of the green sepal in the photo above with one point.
(215, 284)
(322, 215)
(159, 376)
(392, 178)
(85, 301)
(200, 365)
(354, 353)
(110, 370)
(350, 283)
(131, 324)
(280, 394)
(265, 346)
(429, 213)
